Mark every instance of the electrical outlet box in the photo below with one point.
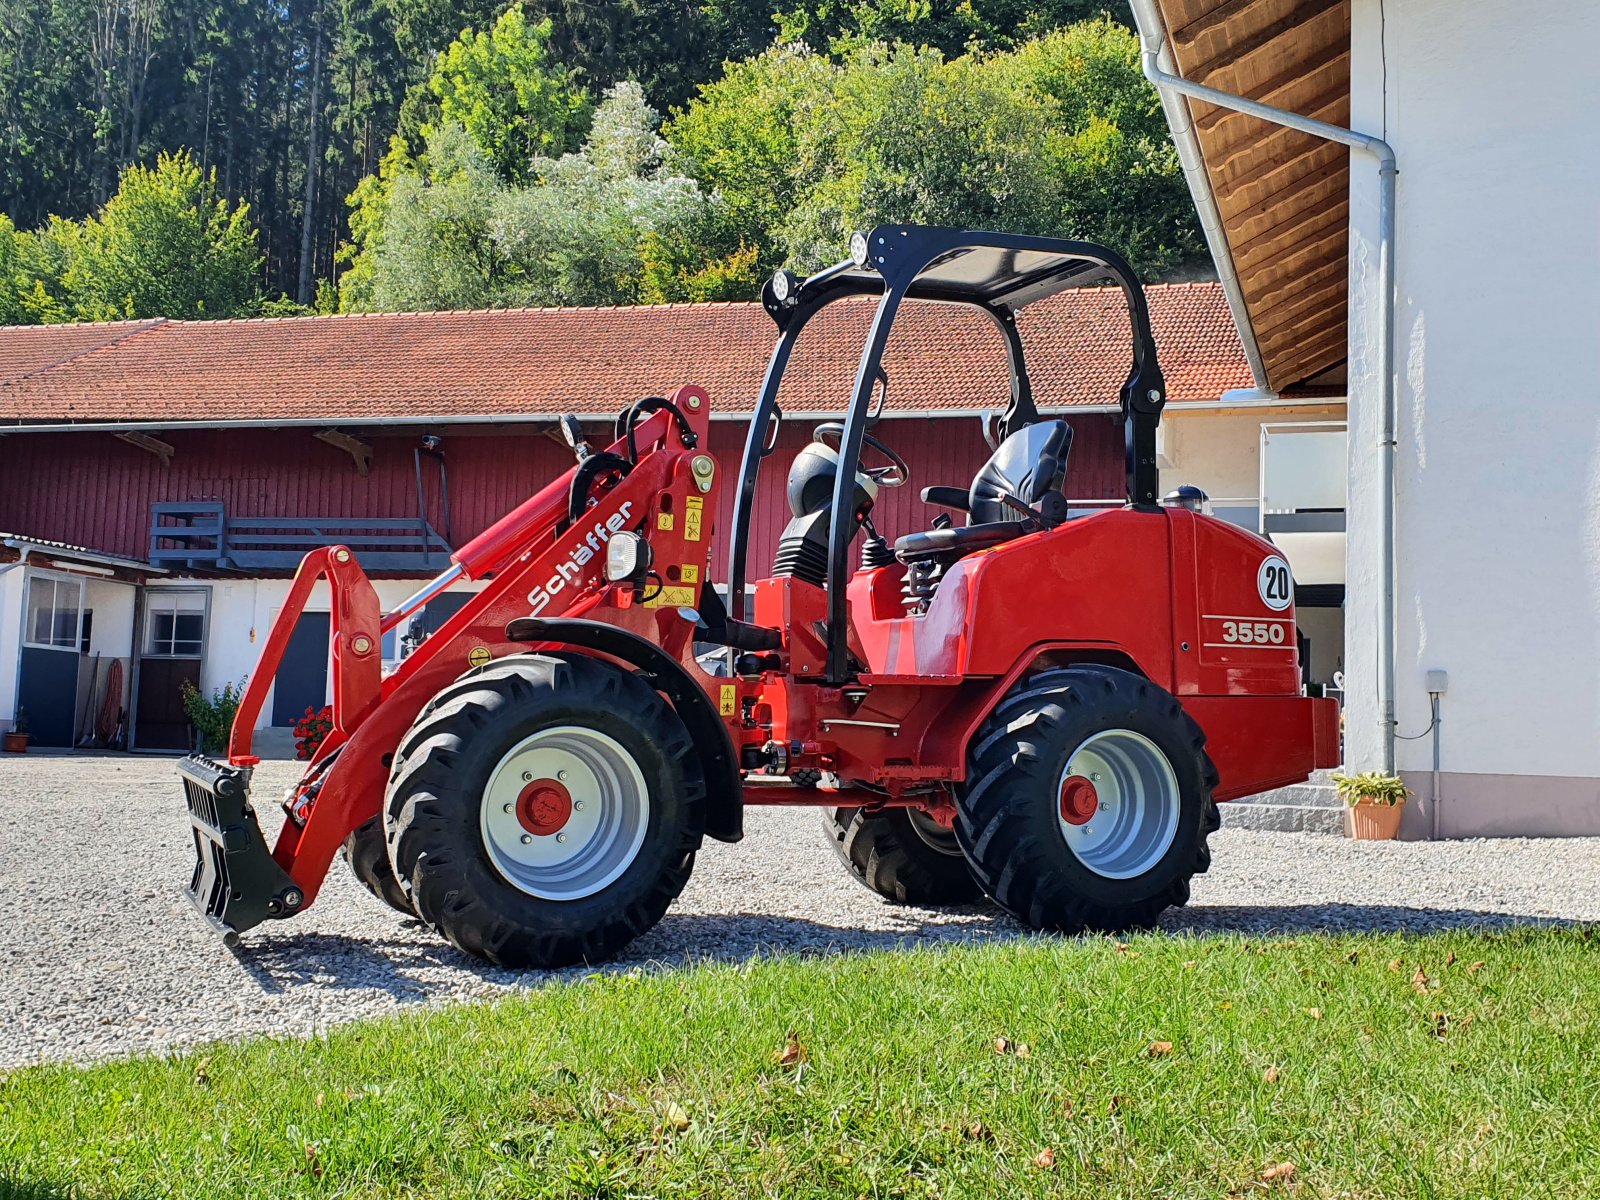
(1438, 682)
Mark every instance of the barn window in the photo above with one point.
(175, 625)
(55, 612)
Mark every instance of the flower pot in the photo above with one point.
(16, 743)
(1374, 822)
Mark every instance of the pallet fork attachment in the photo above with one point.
(236, 883)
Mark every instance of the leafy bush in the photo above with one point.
(212, 716)
(1371, 787)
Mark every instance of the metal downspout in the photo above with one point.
(1152, 41)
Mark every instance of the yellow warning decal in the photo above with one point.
(479, 656)
(730, 699)
(689, 573)
(672, 597)
(664, 521)
(692, 507)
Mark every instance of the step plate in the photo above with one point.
(236, 883)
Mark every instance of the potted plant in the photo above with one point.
(1375, 801)
(17, 736)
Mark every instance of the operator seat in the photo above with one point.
(1030, 466)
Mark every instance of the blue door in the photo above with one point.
(47, 692)
(303, 678)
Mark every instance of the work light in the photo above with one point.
(785, 287)
(858, 249)
(627, 558)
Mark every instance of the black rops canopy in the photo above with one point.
(997, 273)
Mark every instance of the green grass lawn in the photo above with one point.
(1453, 1065)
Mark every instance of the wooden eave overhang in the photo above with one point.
(1283, 195)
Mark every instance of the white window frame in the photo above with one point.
(56, 578)
(152, 598)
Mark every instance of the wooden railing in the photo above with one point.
(200, 533)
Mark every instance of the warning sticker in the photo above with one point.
(663, 520)
(479, 656)
(689, 573)
(692, 508)
(730, 699)
(672, 597)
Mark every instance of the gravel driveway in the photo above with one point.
(100, 953)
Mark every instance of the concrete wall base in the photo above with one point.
(1473, 805)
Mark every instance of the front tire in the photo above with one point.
(902, 855)
(1089, 801)
(545, 811)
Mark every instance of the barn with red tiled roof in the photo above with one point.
(220, 451)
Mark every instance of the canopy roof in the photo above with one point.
(999, 271)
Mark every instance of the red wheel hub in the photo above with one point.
(544, 807)
(1079, 800)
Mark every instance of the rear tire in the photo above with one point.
(1152, 808)
(590, 855)
(900, 854)
(367, 852)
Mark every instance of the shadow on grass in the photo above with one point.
(409, 965)
(12, 1188)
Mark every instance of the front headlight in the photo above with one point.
(627, 557)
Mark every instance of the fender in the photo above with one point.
(724, 788)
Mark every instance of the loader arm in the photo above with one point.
(531, 563)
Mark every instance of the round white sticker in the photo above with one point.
(1274, 584)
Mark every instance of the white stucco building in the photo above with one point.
(1490, 109)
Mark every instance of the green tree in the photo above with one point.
(423, 231)
(615, 222)
(504, 88)
(11, 276)
(1061, 137)
(165, 245)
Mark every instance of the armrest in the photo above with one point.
(945, 497)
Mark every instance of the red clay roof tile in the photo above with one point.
(410, 366)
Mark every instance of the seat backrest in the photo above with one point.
(1029, 465)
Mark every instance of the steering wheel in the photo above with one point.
(891, 474)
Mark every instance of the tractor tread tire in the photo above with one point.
(1007, 822)
(884, 853)
(367, 852)
(436, 789)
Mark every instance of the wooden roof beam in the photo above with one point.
(358, 448)
(1330, 178)
(149, 443)
(1327, 59)
(1302, 259)
(1187, 35)
(1310, 326)
(1302, 14)
(1221, 151)
(1304, 301)
(1307, 201)
(1295, 228)
(1337, 269)
(1312, 358)
(1312, 154)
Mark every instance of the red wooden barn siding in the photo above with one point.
(92, 490)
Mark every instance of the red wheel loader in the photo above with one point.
(1020, 702)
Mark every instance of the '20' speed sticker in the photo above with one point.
(1274, 583)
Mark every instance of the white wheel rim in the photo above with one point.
(607, 813)
(1139, 803)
